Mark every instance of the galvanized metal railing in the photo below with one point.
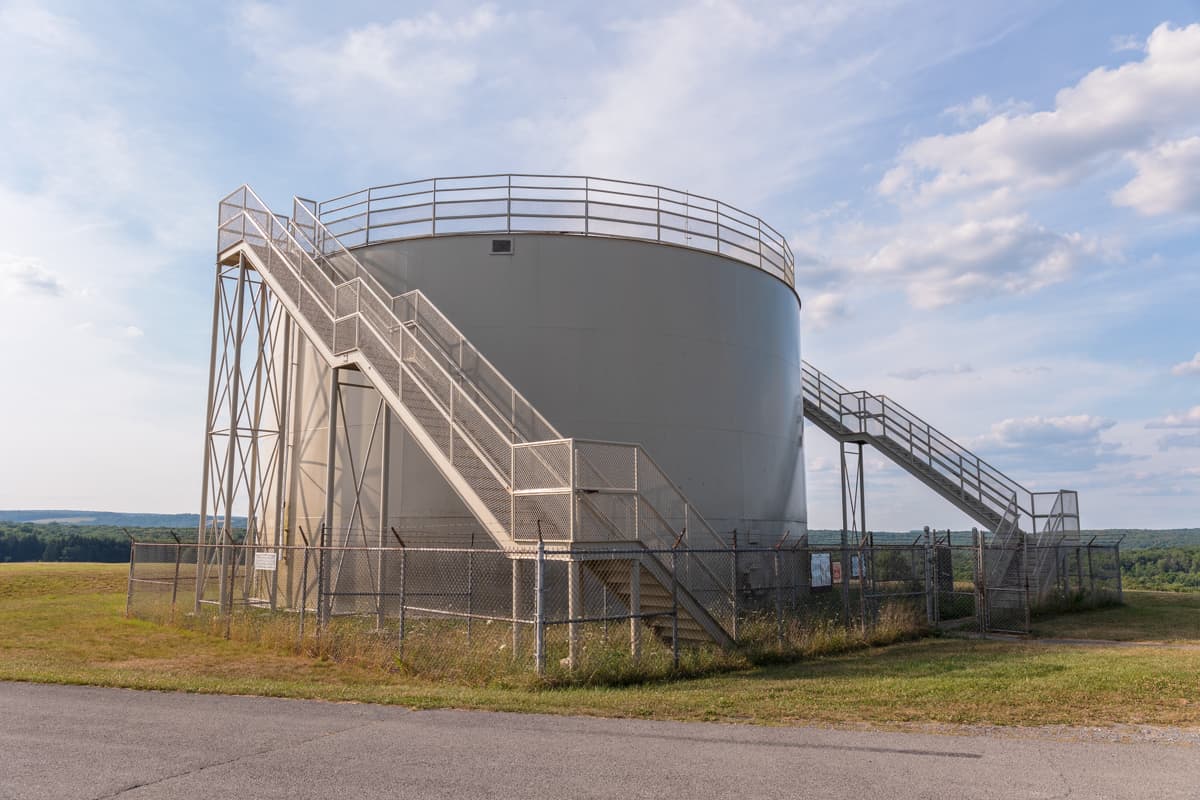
(891, 425)
(564, 204)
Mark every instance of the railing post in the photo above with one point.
(539, 609)
(367, 224)
(637, 499)
(760, 246)
(658, 212)
(571, 509)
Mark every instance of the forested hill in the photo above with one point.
(106, 518)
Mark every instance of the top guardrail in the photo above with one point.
(570, 204)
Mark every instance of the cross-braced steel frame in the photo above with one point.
(244, 447)
(376, 453)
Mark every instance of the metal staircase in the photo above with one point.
(1015, 515)
(519, 477)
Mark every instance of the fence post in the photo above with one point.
(862, 580)
(675, 604)
(980, 582)
(229, 586)
(129, 583)
(470, 584)
(175, 582)
(1120, 587)
(734, 583)
(303, 592)
(635, 607)
(778, 602)
(516, 606)
(539, 609)
(403, 599)
(845, 581)
(322, 558)
(929, 584)
(1091, 571)
(1079, 570)
(1025, 571)
(574, 609)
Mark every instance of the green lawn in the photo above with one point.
(1145, 617)
(63, 623)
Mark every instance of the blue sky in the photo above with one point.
(995, 208)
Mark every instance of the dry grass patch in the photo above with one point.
(64, 624)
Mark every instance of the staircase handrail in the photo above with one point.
(325, 237)
(992, 487)
(422, 298)
(468, 436)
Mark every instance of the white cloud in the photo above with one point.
(29, 277)
(916, 373)
(982, 107)
(1067, 443)
(1174, 440)
(1187, 419)
(1127, 43)
(43, 28)
(1187, 367)
(943, 263)
(410, 67)
(1167, 180)
(1107, 114)
(823, 308)
(690, 78)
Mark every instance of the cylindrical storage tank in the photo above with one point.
(679, 332)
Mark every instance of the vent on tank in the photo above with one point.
(502, 247)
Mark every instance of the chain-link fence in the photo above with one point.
(539, 605)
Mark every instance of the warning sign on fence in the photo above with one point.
(820, 571)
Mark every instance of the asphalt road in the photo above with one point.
(65, 742)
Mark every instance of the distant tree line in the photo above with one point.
(1164, 568)
(26, 541)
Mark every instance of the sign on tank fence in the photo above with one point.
(540, 605)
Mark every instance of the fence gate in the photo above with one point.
(1005, 588)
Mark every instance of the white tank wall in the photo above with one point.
(693, 355)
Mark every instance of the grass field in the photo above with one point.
(1147, 616)
(63, 623)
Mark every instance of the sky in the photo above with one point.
(995, 208)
